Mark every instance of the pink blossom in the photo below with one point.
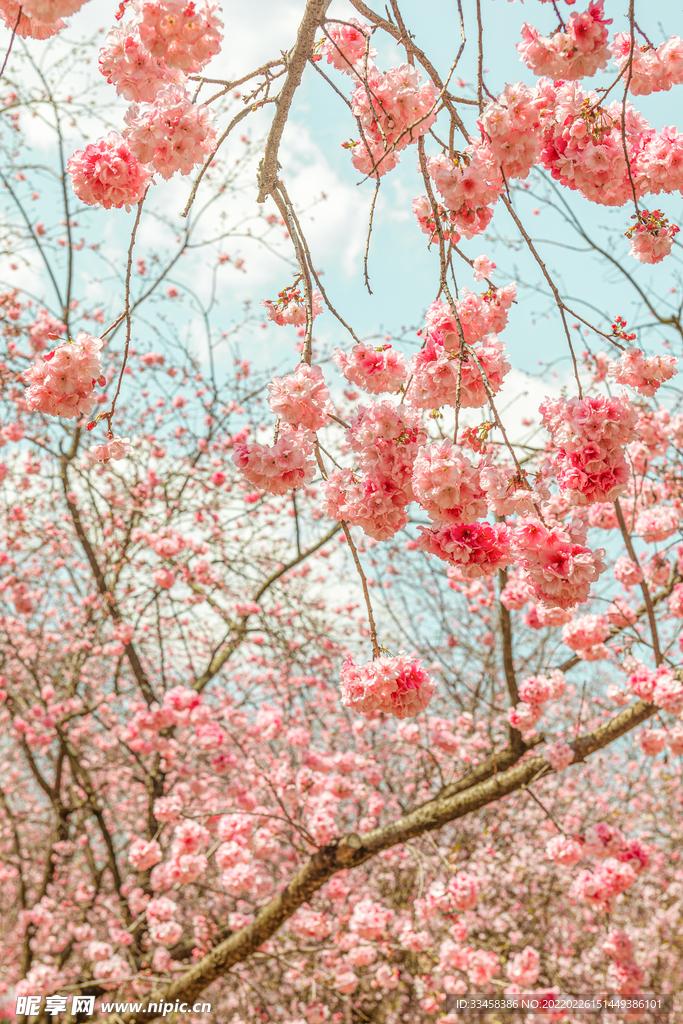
(512, 123)
(166, 933)
(482, 966)
(394, 111)
(668, 691)
(115, 448)
(603, 840)
(278, 468)
(42, 327)
(515, 594)
(524, 717)
(627, 571)
(469, 185)
(397, 686)
(578, 51)
(564, 850)
(559, 570)
(106, 173)
(478, 549)
(63, 383)
(618, 945)
(482, 268)
(585, 631)
(674, 740)
(370, 920)
(523, 969)
(164, 578)
(15, 19)
(110, 972)
(447, 484)
(129, 66)
(181, 34)
(656, 523)
(302, 398)
(144, 855)
(374, 369)
(559, 755)
(171, 134)
(536, 690)
(652, 741)
(462, 891)
(609, 878)
(644, 375)
(653, 69)
(629, 978)
(50, 11)
(290, 307)
(347, 44)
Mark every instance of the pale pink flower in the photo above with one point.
(578, 51)
(523, 969)
(585, 631)
(644, 375)
(482, 268)
(559, 755)
(446, 484)
(302, 398)
(107, 174)
(347, 44)
(183, 35)
(63, 382)
(144, 855)
(129, 66)
(627, 572)
(171, 134)
(396, 686)
(278, 468)
(564, 850)
(652, 741)
(618, 945)
(115, 448)
(374, 369)
(477, 549)
(15, 19)
(657, 523)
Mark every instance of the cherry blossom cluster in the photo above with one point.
(590, 436)
(534, 693)
(290, 307)
(375, 370)
(577, 50)
(106, 173)
(651, 236)
(62, 383)
(37, 19)
(653, 69)
(395, 686)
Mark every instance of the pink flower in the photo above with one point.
(44, 325)
(50, 11)
(144, 855)
(278, 468)
(608, 880)
(668, 691)
(12, 13)
(578, 51)
(110, 972)
(656, 523)
(171, 134)
(536, 690)
(396, 686)
(370, 920)
(346, 982)
(652, 69)
(107, 174)
(479, 549)
(164, 578)
(183, 35)
(627, 572)
(482, 967)
(115, 448)
(559, 755)
(603, 840)
(523, 969)
(482, 268)
(524, 717)
(585, 631)
(628, 977)
(469, 186)
(559, 570)
(515, 594)
(394, 111)
(462, 892)
(374, 369)
(347, 44)
(129, 66)
(618, 945)
(447, 484)
(166, 933)
(63, 383)
(644, 375)
(290, 307)
(301, 398)
(674, 740)
(564, 850)
(652, 741)
(651, 240)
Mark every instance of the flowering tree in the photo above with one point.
(228, 772)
